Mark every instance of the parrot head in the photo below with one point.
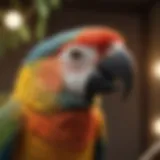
(71, 68)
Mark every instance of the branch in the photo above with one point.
(151, 152)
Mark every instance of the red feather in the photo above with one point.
(98, 37)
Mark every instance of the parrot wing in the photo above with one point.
(101, 140)
(9, 128)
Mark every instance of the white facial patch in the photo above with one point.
(76, 82)
(77, 71)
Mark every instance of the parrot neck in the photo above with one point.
(72, 101)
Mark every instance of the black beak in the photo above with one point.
(116, 66)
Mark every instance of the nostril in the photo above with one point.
(76, 55)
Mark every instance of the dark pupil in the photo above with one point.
(76, 55)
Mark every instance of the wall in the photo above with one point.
(154, 57)
(123, 117)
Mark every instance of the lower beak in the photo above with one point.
(117, 66)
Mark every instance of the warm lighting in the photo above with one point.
(156, 127)
(13, 20)
(156, 69)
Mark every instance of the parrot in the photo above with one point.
(55, 109)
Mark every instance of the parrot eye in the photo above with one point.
(76, 54)
(79, 56)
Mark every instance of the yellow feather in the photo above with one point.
(30, 93)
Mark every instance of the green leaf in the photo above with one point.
(55, 3)
(41, 28)
(43, 8)
(24, 33)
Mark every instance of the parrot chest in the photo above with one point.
(66, 134)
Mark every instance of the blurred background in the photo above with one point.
(133, 125)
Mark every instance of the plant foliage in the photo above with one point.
(41, 9)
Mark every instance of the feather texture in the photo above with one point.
(9, 127)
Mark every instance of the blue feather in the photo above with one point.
(47, 47)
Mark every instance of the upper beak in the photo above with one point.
(116, 66)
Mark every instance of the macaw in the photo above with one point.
(55, 111)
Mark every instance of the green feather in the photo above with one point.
(9, 122)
